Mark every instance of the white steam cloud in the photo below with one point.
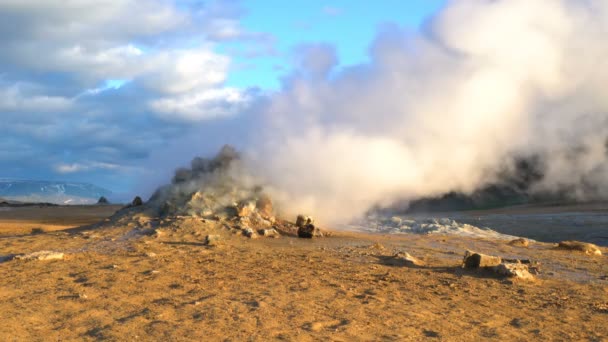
(444, 110)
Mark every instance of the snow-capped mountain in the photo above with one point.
(51, 192)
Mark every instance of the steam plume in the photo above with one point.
(447, 109)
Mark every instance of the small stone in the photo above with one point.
(269, 233)
(213, 240)
(303, 220)
(512, 270)
(42, 255)
(309, 231)
(587, 248)
(521, 242)
(250, 233)
(475, 260)
(151, 255)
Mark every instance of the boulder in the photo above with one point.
(303, 221)
(587, 248)
(406, 259)
(475, 260)
(514, 270)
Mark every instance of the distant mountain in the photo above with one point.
(51, 192)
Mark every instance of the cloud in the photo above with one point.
(446, 109)
(90, 88)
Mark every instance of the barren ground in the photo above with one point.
(139, 278)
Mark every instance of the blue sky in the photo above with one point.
(348, 25)
(95, 92)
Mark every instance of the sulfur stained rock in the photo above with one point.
(475, 260)
(587, 248)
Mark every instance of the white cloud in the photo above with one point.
(14, 98)
(113, 79)
(203, 105)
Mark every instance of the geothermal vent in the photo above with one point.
(220, 189)
(214, 188)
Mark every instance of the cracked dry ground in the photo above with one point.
(114, 285)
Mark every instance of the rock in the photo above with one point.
(302, 221)
(521, 242)
(309, 231)
(588, 248)
(244, 209)
(250, 233)
(475, 260)
(264, 206)
(269, 233)
(213, 240)
(407, 260)
(102, 200)
(137, 201)
(5, 258)
(513, 270)
(42, 255)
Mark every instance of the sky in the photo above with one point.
(111, 92)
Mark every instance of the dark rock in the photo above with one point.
(475, 260)
(137, 201)
(309, 231)
(250, 233)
